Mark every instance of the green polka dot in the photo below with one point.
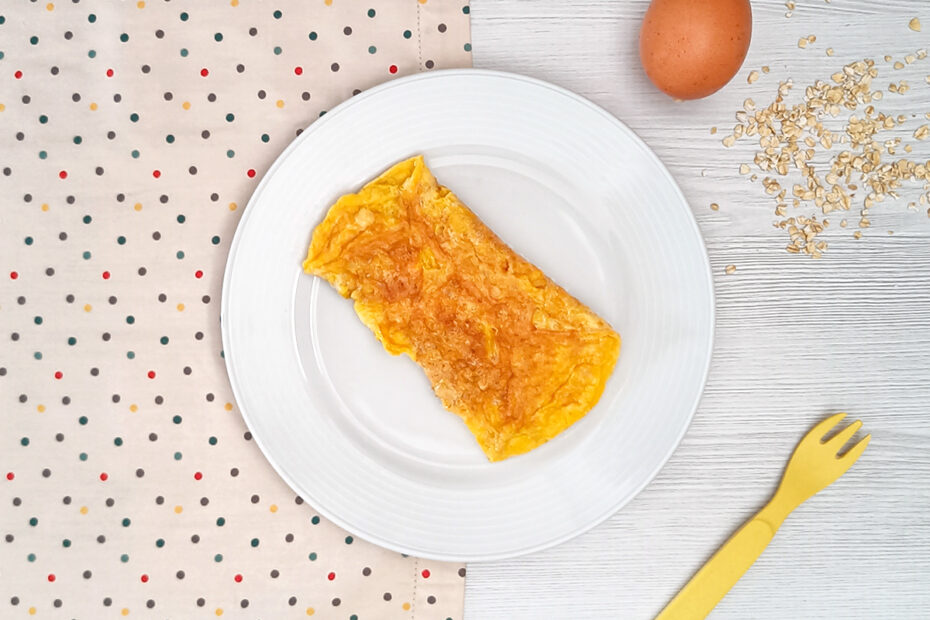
(77, 139)
(42, 154)
(315, 520)
(265, 137)
(37, 355)
(468, 47)
(277, 50)
(34, 40)
(82, 456)
(230, 153)
(1, 53)
(91, 53)
(160, 543)
(178, 456)
(313, 35)
(183, 52)
(163, 340)
(353, 617)
(230, 117)
(43, 118)
(72, 340)
(277, 14)
(24, 441)
(130, 319)
(184, 16)
(180, 254)
(65, 543)
(124, 37)
(28, 240)
(169, 139)
(181, 219)
(371, 12)
(372, 49)
(117, 441)
(87, 219)
(124, 558)
(37, 320)
(31, 557)
(218, 557)
(86, 255)
(134, 117)
(349, 540)
(131, 355)
(82, 421)
(220, 521)
(407, 34)
(215, 240)
(212, 441)
(254, 542)
(2, 20)
(126, 522)
(134, 153)
(466, 9)
(121, 240)
(91, 18)
(218, 37)
(33, 521)
(176, 419)
(312, 556)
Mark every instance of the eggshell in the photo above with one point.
(692, 48)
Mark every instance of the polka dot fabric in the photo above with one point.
(133, 134)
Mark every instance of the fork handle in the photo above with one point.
(724, 569)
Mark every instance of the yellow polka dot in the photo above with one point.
(41, 408)
(180, 307)
(134, 408)
(279, 103)
(124, 611)
(273, 508)
(219, 612)
(228, 406)
(310, 611)
(93, 107)
(50, 7)
(422, 1)
(328, 2)
(32, 611)
(233, 2)
(83, 510)
(137, 206)
(406, 606)
(45, 206)
(2, 107)
(186, 105)
(178, 510)
(233, 206)
(88, 307)
(140, 4)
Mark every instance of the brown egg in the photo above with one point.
(692, 48)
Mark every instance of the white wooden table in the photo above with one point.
(796, 339)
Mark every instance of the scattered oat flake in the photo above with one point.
(802, 42)
(744, 169)
(714, 206)
(898, 65)
(887, 58)
(914, 25)
(765, 68)
(922, 132)
(829, 51)
(753, 76)
(713, 130)
(910, 58)
(858, 234)
(730, 270)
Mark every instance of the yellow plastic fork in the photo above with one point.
(814, 465)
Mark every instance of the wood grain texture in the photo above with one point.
(796, 339)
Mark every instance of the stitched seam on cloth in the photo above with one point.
(419, 40)
(416, 580)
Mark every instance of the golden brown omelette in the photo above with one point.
(505, 348)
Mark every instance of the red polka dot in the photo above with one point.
(425, 573)
(238, 578)
(144, 578)
(298, 70)
(51, 576)
(204, 72)
(198, 274)
(331, 576)
(198, 476)
(104, 476)
(13, 275)
(151, 374)
(393, 68)
(18, 74)
(106, 275)
(63, 174)
(10, 475)
(156, 173)
(58, 374)
(251, 172)
(109, 72)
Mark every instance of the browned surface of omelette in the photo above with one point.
(505, 348)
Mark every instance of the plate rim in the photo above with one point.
(304, 136)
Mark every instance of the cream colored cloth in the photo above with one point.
(131, 136)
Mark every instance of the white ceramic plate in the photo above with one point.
(358, 432)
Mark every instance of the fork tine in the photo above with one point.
(853, 454)
(839, 440)
(821, 429)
